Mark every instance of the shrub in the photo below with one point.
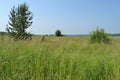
(58, 33)
(99, 36)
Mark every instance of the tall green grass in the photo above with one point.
(59, 58)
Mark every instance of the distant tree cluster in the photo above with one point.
(117, 34)
(3, 33)
(20, 19)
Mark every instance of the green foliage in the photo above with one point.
(20, 19)
(117, 34)
(99, 36)
(58, 33)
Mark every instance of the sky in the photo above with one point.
(69, 16)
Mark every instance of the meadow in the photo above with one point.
(59, 58)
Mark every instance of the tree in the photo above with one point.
(20, 19)
(99, 36)
(58, 33)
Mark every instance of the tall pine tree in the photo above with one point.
(20, 19)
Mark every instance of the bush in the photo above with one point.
(99, 36)
(58, 33)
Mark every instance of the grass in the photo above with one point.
(59, 58)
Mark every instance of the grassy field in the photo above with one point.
(59, 58)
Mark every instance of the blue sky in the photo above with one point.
(70, 16)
